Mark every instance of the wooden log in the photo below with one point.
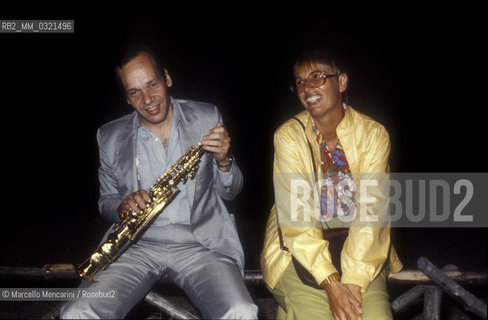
(166, 306)
(59, 268)
(432, 303)
(253, 277)
(414, 275)
(470, 302)
(21, 272)
(405, 300)
(59, 271)
(67, 271)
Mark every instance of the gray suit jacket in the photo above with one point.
(210, 221)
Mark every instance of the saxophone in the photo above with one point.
(128, 230)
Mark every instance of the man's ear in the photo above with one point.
(342, 82)
(167, 77)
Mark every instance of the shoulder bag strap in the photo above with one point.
(280, 235)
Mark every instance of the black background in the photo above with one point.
(418, 72)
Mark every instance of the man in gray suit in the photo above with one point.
(194, 241)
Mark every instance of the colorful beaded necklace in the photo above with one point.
(338, 189)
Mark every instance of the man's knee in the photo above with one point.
(77, 310)
(241, 310)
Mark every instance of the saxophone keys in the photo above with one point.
(107, 248)
(96, 258)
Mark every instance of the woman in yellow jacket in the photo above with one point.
(344, 151)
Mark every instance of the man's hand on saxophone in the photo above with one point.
(218, 142)
(133, 203)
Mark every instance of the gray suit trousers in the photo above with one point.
(212, 281)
